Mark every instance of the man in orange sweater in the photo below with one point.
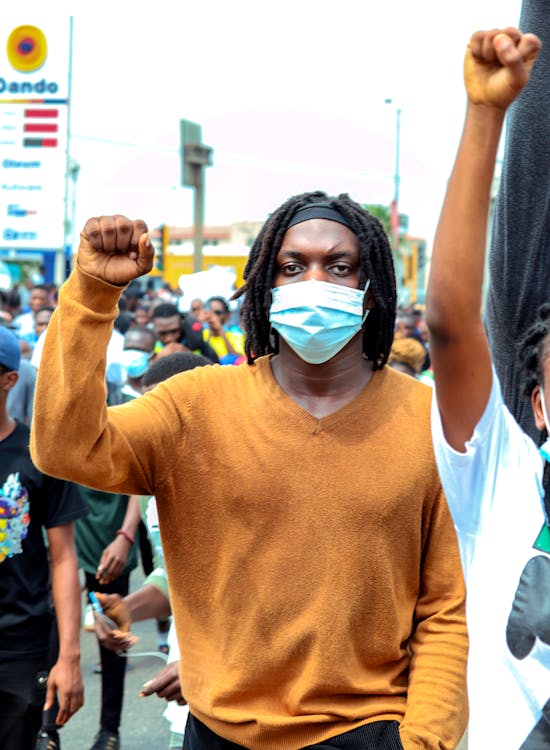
(315, 576)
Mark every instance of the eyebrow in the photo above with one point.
(332, 254)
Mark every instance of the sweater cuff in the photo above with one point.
(91, 292)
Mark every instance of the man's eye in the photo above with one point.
(340, 268)
(291, 268)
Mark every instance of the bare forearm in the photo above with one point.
(65, 678)
(132, 516)
(146, 603)
(67, 603)
(458, 259)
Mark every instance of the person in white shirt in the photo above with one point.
(490, 468)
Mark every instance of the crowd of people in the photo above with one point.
(100, 534)
(347, 520)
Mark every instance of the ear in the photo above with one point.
(10, 380)
(536, 405)
(369, 303)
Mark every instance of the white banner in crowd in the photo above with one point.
(217, 281)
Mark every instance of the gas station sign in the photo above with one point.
(35, 59)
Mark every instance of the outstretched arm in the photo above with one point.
(496, 68)
(519, 258)
(73, 434)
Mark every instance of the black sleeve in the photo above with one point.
(519, 256)
(64, 502)
(193, 338)
(207, 351)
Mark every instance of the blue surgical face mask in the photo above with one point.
(135, 362)
(316, 318)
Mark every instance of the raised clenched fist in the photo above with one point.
(115, 249)
(498, 64)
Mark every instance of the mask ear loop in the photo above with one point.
(365, 290)
(274, 340)
(543, 405)
(544, 451)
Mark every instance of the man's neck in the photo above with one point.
(323, 389)
(7, 424)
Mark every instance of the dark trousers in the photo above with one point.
(379, 735)
(113, 667)
(22, 695)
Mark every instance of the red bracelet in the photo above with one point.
(125, 534)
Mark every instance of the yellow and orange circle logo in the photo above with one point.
(27, 49)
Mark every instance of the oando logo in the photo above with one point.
(27, 49)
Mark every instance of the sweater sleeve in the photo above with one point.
(437, 692)
(74, 435)
(519, 258)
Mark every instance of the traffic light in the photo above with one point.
(164, 242)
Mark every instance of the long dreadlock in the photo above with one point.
(375, 263)
(533, 349)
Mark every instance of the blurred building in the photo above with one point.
(222, 246)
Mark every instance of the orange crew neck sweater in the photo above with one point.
(313, 566)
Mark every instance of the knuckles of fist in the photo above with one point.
(114, 233)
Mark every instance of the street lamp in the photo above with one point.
(396, 178)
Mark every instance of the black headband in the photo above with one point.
(319, 211)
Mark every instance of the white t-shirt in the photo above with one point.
(115, 372)
(36, 355)
(25, 323)
(494, 491)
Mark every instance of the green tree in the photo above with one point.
(383, 214)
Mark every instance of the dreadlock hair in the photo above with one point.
(375, 263)
(533, 349)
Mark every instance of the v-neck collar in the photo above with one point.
(317, 424)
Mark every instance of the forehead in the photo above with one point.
(322, 235)
(165, 324)
(39, 293)
(139, 340)
(43, 315)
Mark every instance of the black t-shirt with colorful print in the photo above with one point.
(30, 502)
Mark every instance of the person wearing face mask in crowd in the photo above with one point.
(314, 570)
(137, 355)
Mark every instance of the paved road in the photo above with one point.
(143, 726)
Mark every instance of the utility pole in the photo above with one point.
(195, 156)
(396, 178)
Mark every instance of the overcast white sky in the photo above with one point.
(290, 96)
